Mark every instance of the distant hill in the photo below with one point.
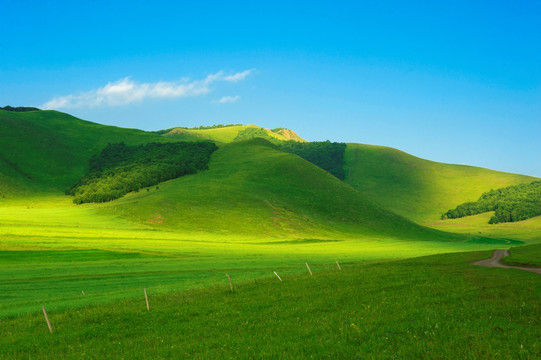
(288, 134)
(227, 134)
(19, 108)
(418, 189)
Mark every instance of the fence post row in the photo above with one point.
(146, 296)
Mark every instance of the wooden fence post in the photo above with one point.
(309, 269)
(230, 284)
(47, 319)
(146, 299)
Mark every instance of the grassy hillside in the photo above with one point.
(227, 134)
(418, 189)
(436, 307)
(47, 151)
(253, 188)
(527, 255)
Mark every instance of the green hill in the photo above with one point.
(253, 188)
(418, 189)
(264, 190)
(227, 134)
(47, 151)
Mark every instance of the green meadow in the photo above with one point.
(52, 250)
(527, 255)
(435, 307)
(406, 289)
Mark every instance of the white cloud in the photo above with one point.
(127, 91)
(238, 76)
(227, 99)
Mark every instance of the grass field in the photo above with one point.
(52, 250)
(528, 255)
(527, 230)
(435, 307)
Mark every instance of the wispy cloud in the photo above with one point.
(238, 76)
(227, 99)
(127, 91)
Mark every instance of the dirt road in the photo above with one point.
(494, 261)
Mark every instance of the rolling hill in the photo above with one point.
(418, 189)
(253, 188)
(47, 151)
(227, 134)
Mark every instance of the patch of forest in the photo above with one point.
(119, 168)
(327, 155)
(510, 204)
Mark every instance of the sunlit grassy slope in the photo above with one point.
(527, 230)
(418, 189)
(226, 134)
(51, 250)
(253, 188)
(44, 151)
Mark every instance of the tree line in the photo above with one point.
(510, 204)
(119, 169)
(19, 108)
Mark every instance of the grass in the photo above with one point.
(255, 211)
(528, 230)
(527, 255)
(51, 249)
(432, 308)
(47, 151)
(50, 253)
(224, 135)
(251, 189)
(419, 189)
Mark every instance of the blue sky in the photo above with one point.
(456, 82)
